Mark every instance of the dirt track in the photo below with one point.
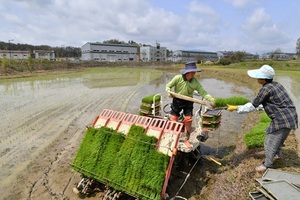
(43, 129)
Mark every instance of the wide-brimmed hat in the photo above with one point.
(190, 67)
(265, 72)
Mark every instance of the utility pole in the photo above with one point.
(9, 47)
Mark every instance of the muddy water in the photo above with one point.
(34, 112)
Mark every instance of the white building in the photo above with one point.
(151, 53)
(108, 52)
(44, 54)
(187, 56)
(13, 54)
(279, 56)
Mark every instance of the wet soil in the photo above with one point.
(43, 121)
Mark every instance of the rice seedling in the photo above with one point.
(256, 136)
(235, 100)
(127, 163)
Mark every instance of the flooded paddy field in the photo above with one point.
(42, 122)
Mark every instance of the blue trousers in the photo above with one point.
(273, 144)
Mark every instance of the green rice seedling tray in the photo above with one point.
(212, 116)
(149, 103)
(148, 113)
(235, 100)
(151, 99)
(210, 126)
(149, 108)
(156, 104)
(211, 119)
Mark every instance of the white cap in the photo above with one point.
(265, 72)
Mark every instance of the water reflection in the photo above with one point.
(19, 94)
(112, 79)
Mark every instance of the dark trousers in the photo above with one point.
(273, 144)
(179, 104)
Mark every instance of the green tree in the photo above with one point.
(113, 41)
(238, 56)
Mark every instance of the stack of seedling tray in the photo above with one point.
(150, 105)
(211, 120)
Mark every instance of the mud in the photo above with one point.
(43, 120)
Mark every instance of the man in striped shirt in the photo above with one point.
(278, 106)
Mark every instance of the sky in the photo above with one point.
(254, 26)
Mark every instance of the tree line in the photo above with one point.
(60, 52)
(67, 51)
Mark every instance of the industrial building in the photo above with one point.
(13, 54)
(153, 53)
(37, 54)
(186, 56)
(44, 54)
(105, 52)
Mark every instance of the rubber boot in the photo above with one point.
(187, 122)
(174, 118)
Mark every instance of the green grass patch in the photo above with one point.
(127, 163)
(256, 136)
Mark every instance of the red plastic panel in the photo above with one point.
(158, 124)
(143, 121)
(103, 118)
(168, 141)
(174, 127)
(115, 120)
(130, 119)
(156, 127)
(170, 137)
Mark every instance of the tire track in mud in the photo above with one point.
(45, 123)
(51, 173)
(39, 129)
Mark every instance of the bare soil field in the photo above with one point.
(41, 132)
